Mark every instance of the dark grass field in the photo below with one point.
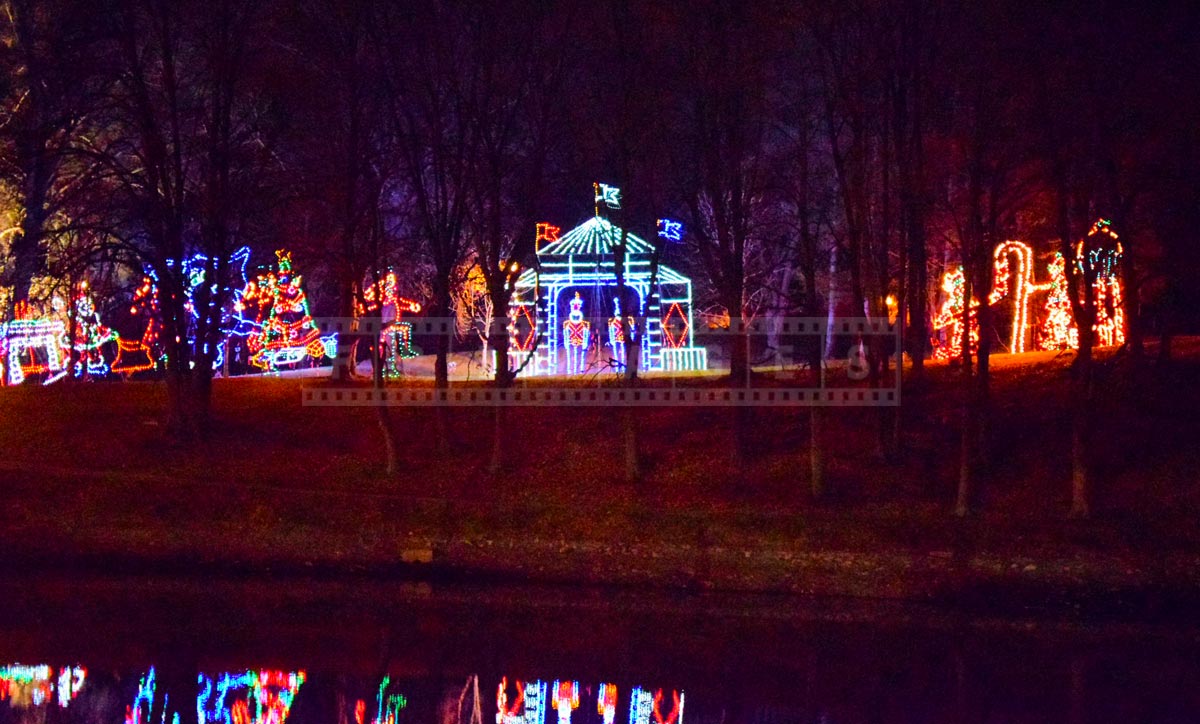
(90, 470)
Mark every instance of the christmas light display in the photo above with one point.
(616, 333)
(389, 705)
(670, 230)
(582, 261)
(1100, 255)
(610, 195)
(950, 317)
(285, 333)
(1058, 330)
(565, 699)
(528, 705)
(675, 327)
(577, 334)
(396, 335)
(251, 697)
(545, 232)
(35, 686)
(90, 337)
(195, 271)
(606, 702)
(141, 355)
(32, 345)
(1019, 284)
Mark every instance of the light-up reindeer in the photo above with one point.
(577, 336)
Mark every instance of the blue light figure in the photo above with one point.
(577, 335)
(670, 230)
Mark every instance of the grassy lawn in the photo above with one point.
(90, 469)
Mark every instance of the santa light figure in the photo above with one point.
(577, 335)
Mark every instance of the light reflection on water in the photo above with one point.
(267, 696)
(212, 652)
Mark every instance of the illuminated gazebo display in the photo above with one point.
(563, 310)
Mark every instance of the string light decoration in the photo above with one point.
(670, 230)
(31, 345)
(90, 336)
(950, 317)
(1058, 330)
(565, 699)
(585, 258)
(285, 333)
(396, 335)
(389, 705)
(141, 355)
(606, 702)
(1100, 252)
(616, 333)
(609, 195)
(251, 697)
(1019, 284)
(34, 686)
(528, 705)
(577, 335)
(675, 327)
(545, 232)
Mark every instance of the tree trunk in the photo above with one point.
(816, 454)
(391, 452)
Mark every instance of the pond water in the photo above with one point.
(143, 650)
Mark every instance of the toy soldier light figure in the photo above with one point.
(577, 334)
(616, 335)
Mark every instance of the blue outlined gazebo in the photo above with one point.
(582, 262)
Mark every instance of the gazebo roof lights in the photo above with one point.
(595, 236)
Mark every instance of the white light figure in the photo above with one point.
(616, 335)
(577, 335)
(565, 699)
(670, 230)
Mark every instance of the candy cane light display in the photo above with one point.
(1018, 283)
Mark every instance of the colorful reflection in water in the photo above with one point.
(250, 697)
(35, 686)
(264, 696)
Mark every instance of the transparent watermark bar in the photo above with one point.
(781, 372)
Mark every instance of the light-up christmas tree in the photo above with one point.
(284, 331)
